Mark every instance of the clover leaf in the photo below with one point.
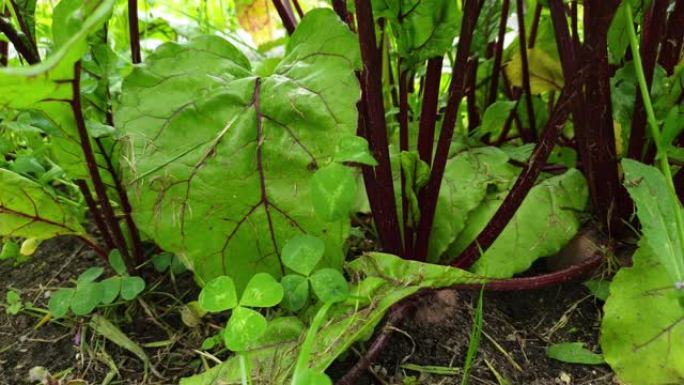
(245, 325)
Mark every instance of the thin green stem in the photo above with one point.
(307, 346)
(245, 371)
(661, 156)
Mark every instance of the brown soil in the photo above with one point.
(518, 327)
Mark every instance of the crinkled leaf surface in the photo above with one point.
(383, 281)
(46, 86)
(643, 324)
(545, 71)
(29, 210)
(467, 179)
(648, 189)
(544, 223)
(220, 159)
(423, 28)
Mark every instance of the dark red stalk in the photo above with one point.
(4, 46)
(367, 171)
(286, 16)
(23, 25)
(134, 31)
(401, 310)
(428, 111)
(678, 180)
(651, 35)
(428, 196)
(22, 45)
(100, 189)
(523, 184)
(574, 20)
(404, 146)
(376, 126)
(470, 92)
(535, 24)
(300, 13)
(340, 7)
(671, 47)
(136, 244)
(96, 213)
(599, 157)
(498, 54)
(525, 69)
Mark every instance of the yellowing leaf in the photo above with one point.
(546, 73)
(255, 18)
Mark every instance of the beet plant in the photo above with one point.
(478, 137)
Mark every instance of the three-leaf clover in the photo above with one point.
(301, 254)
(245, 325)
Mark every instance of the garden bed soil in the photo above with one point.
(517, 329)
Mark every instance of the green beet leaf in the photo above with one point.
(354, 149)
(60, 301)
(218, 295)
(296, 292)
(423, 29)
(28, 210)
(468, 177)
(131, 287)
(244, 328)
(46, 86)
(495, 117)
(302, 253)
(643, 323)
(648, 188)
(329, 285)
(574, 353)
(262, 291)
(312, 377)
(282, 329)
(221, 159)
(544, 223)
(333, 190)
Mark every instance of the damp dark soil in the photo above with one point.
(517, 329)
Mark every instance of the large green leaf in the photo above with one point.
(383, 280)
(423, 28)
(47, 86)
(28, 210)
(220, 159)
(643, 323)
(468, 177)
(544, 223)
(648, 189)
